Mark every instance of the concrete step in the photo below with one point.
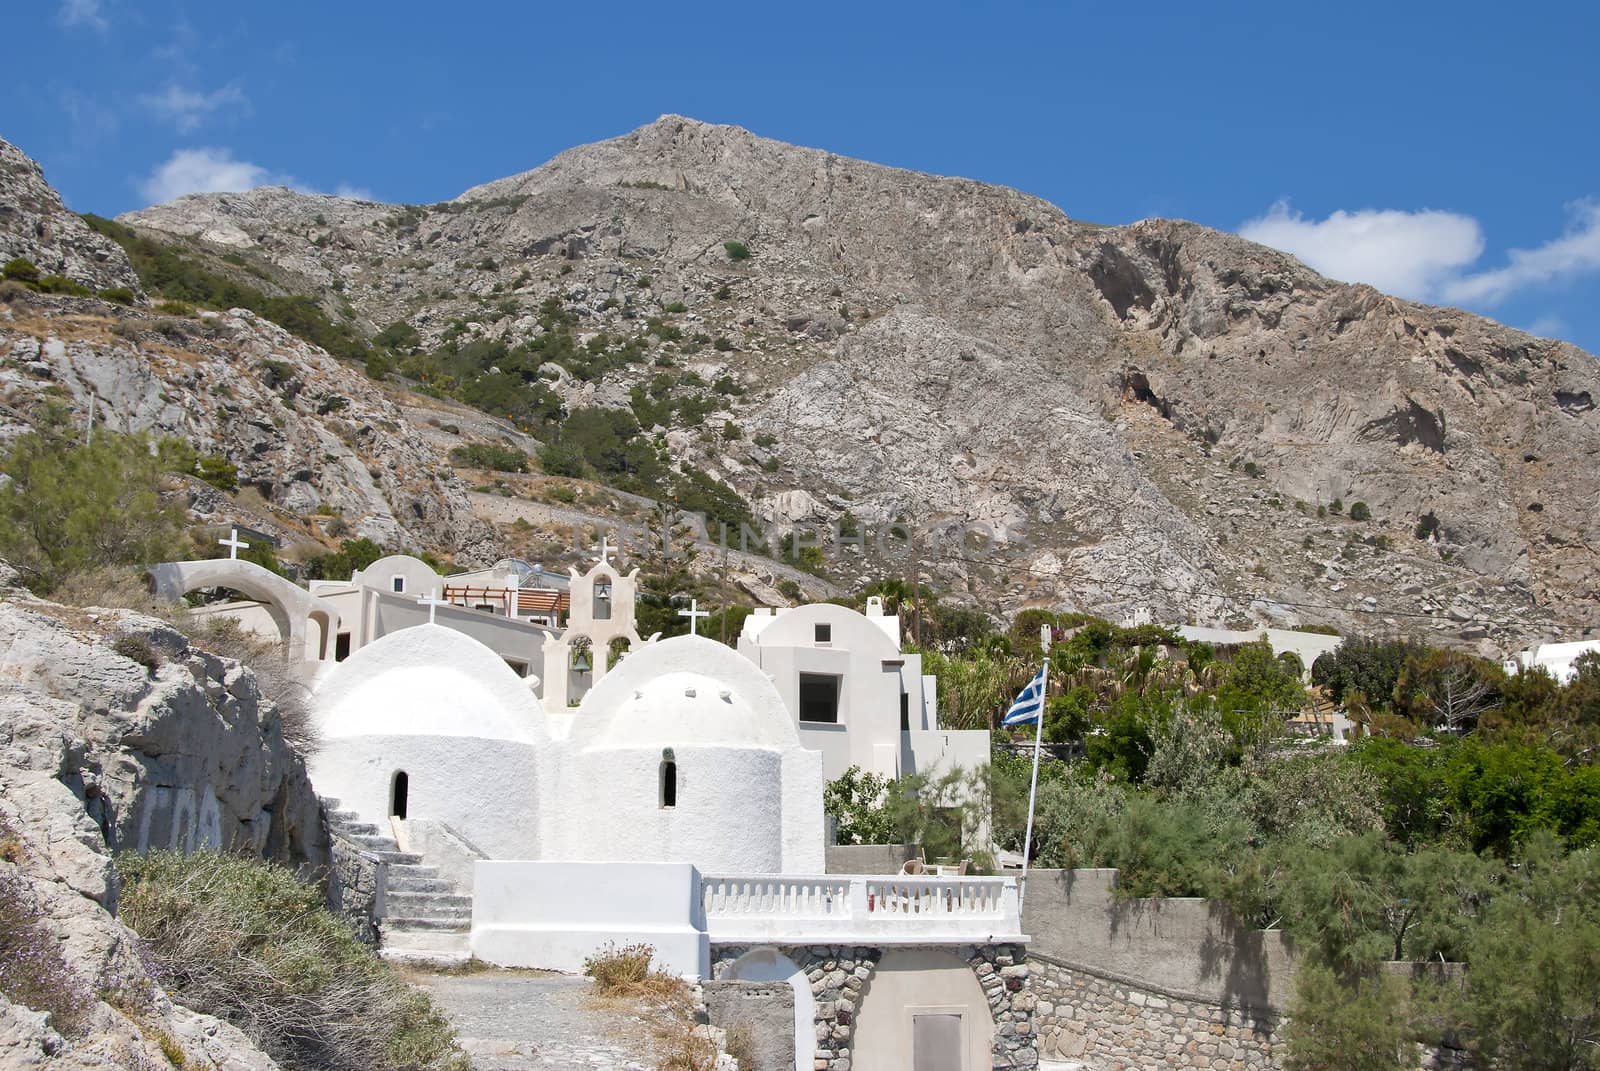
(392, 857)
(388, 926)
(357, 829)
(447, 946)
(405, 884)
(430, 957)
(406, 904)
(375, 841)
(402, 871)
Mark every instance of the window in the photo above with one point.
(399, 789)
(905, 712)
(819, 698)
(398, 585)
(669, 779)
(341, 647)
(824, 634)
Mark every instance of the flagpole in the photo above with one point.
(1038, 741)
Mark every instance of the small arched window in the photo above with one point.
(399, 789)
(669, 779)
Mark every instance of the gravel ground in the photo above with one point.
(520, 1020)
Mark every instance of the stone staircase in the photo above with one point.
(423, 917)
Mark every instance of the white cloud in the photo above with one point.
(216, 171)
(1428, 255)
(1573, 253)
(186, 109)
(1412, 254)
(206, 171)
(83, 13)
(1549, 327)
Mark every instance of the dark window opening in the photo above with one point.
(602, 601)
(824, 633)
(398, 791)
(669, 779)
(399, 584)
(905, 712)
(341, 647)
(819, 698)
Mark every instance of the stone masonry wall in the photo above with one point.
(1115, 1025)
(840, 976)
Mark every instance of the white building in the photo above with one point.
(855, 695)
(1558, 658)
(678, 802)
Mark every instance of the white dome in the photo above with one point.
(683, 692)
(428, 680)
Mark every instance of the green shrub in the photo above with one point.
(20, 269)
(737, 250)
(247, 942)
(219, 472)
(1360, 512)
(119, 295)
(722, 344)
(491, 456)
(60, 284)
(70, 508)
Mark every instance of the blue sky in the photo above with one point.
(1446, 152)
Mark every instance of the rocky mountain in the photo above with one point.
(1153, 417)
(37, 227)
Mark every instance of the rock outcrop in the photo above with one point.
(313, 435)
(37, 227)
(117, 734)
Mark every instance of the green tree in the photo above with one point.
(1356, 1024)
(1535, 968)
(65, 509)
(855, 800)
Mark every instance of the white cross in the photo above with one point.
(604, 549)
(234, 544)
(432, 602)
(694, 613)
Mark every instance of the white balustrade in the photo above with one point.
(846, 908)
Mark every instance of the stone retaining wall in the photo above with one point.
(840, 976)
(1115, 1025)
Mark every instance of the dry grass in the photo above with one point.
(276, 681)
(626, 974)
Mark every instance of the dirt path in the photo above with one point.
(523, 1020)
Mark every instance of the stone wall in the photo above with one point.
(840, 976)
(356, 885)
(764, 1009)
(1189, 946)
(1113, 1024)
(869, 858)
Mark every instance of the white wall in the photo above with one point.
(554, 915)
(873, 675)
(908, 981)
(604, 804)
(484, 790)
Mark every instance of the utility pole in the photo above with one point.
(916, 591)
(89, 438)
(724, 525)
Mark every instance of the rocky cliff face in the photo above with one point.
(36, 226)
(1157, 416)
(116, 735)
(327, 449)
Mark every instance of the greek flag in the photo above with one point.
(1025, 710)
